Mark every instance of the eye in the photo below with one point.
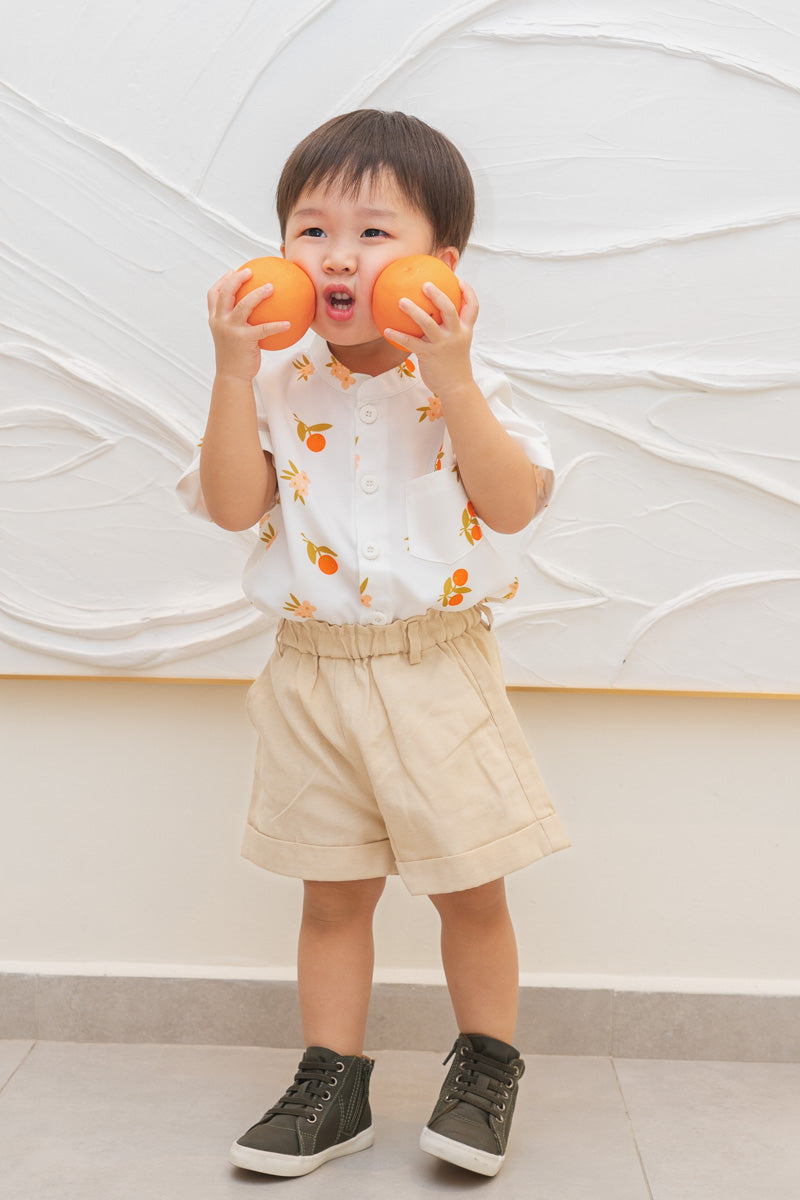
(314, 232)
(373, 233)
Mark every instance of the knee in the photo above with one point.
(329, 903)
(485, 903)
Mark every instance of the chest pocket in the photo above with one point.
(440, 525)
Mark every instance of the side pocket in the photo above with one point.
(441, 527)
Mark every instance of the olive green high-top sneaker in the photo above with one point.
(469, 1125)
(323, 1114)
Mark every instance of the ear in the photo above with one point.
(449, 256)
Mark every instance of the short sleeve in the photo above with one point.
(188, 488)
(525, 432)
(189, 491)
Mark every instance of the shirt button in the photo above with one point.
(370, 550)
(378, 618)
(368, 413)
(369, 484)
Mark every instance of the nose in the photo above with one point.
(339, 260)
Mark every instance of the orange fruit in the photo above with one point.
(315, 442)
(460, 577)
(476, 533)
(327, 565)
(293, 299)
(455, 599)
(404, 278)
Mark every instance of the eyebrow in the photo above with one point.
(364, 212)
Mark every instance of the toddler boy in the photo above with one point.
(385, 483)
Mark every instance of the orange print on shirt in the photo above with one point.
(341, 372)
(437, 466)
(407, 368)
(299, 481)
(311, 435)
(470, 526)
(322, 557)
(455, 589)
(365, 599)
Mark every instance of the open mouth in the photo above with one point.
(339, 303)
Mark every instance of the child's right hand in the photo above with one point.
(235, 340)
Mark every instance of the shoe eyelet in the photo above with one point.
(326, 1095)
(333, 1081)
(312, 1120)
(502, 1108)
(504, 1095)
(500, 1120)
(340, 1067)
(318, 1107)
(515, 1069)
(458, 1079)
(464, 1051)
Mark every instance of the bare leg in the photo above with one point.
(335, 957)
(479, 955)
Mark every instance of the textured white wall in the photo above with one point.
(636, 254)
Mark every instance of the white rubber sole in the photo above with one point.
(268, 1163)
(480, 1161)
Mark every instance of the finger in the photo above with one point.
(443, 303)
(229, 285)
(405, 340)
(469, 304)
(252, 300)
(426, 322)
(271, 329)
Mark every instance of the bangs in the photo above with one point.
(362, 146)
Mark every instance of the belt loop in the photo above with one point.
(414, 643)
(486, 612)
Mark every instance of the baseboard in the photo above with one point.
(595, 1021)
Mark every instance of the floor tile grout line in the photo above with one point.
(19, 1065)
(633, 1131)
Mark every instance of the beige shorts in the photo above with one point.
(393, 749)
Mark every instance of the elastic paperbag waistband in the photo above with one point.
(410, 636)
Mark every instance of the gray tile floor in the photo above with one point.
(118, 1122)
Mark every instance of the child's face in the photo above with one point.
(343, 243)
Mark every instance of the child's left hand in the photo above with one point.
(443, 350)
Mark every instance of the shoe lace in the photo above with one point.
(311, 1088)
(481, 1081)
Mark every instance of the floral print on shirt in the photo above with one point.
(300, 608)
(299, 481)
(341, 372)
(304, 367)
(432, 411)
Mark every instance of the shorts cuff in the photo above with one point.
(328, 863)
(429, 876)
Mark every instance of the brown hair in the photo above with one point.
(430, 172)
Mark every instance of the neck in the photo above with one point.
(369, 358)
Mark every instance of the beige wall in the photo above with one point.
(123, 805)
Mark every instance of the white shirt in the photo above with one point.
(370, 522)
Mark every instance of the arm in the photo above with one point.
(236, 475)
(505, 488)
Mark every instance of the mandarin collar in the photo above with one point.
(397, 379)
